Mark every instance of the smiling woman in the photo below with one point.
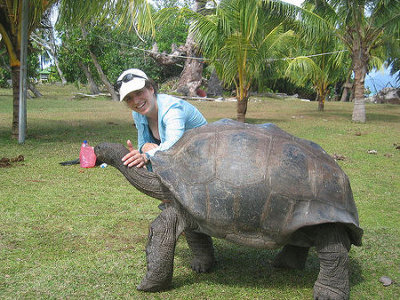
(160, 119)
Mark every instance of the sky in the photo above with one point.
(379, 79)
(376, 79)
(296, 2)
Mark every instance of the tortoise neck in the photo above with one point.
(145, 181)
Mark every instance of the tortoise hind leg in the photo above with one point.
(202, 248)
(163, 234)
(291, 257)
(333, 244)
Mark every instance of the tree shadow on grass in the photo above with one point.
(263, 121)
(371, 116)
(75, 131)
(239, 266)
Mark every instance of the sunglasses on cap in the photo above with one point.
(128, 77)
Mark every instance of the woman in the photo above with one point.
(160, 119)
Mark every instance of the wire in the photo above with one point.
(149, 51)
(312, 55)
(204, 59)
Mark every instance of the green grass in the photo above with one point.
(67, 232)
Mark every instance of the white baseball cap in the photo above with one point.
(129, 81)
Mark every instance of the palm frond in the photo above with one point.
(127, 13)
(303, 69)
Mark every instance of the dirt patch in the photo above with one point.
(6, 162)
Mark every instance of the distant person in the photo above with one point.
(160, 119)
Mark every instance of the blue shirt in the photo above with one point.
(175, 116)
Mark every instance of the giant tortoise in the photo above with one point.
(254, 185)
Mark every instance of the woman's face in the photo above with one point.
(141, 101)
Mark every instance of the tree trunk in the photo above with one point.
(191, 77)
(50, 47)
(99, 69)
(94, 89)
(53, 49)
(15, 71)
(34, 90)
(346, 92)
(214, 86)
(242, 109)
(360, 63)
(60, 73)
(103, 77)
(321, 97)
(321, 103)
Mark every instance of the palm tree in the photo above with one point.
(240, 36)
(131, 13)
(237, 39)
(323, 70)
(361, 25)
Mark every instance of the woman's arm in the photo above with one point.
(174, 123)
(148, 146)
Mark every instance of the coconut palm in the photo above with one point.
(236, 39)
(245, 36)
(323, 69)
(361, 25)
(240, 36)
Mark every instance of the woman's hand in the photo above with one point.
(134, 157)
(148, 146)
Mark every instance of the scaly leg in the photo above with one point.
(333, 244)
(164, 231)
(202, 248)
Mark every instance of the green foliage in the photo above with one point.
(169, 33)
(238, 38)
(33, 65)
(32, 71)
(4, 69)
(129, 14)
(67, 232)
(116, 51)
(4, 76)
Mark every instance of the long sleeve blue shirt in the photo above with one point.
(175, 116)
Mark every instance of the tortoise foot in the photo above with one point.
(324, 292)
(202, 265)
(151, 286)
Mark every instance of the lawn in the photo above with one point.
(67, 232)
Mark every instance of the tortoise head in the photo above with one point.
(110, 153)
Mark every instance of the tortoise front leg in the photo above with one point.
(202, 248)
(333, 244)
(163, 234)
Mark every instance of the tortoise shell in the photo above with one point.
(256, 185)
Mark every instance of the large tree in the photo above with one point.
(325, 65)
(362, 26)
(240, 36)
(236, 39)
(45, 37)
(131, 13)
(111, 49)
(10, 29)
